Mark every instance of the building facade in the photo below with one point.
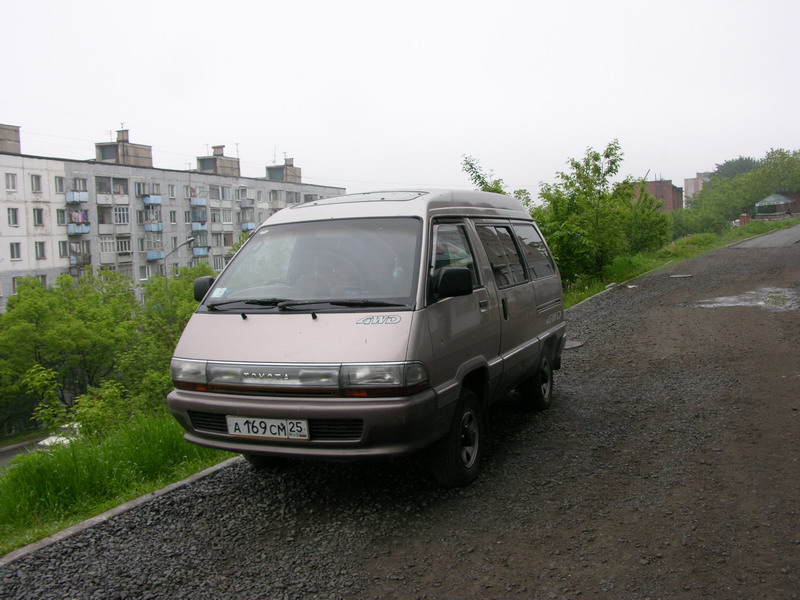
(121, 213)
(670, 195)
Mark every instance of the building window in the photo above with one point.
(215, 214)
(213, 192)
(13, 217)
(119, 186)
(102, 185)
(79, 184)
(171, 190)
(187, 191)
(42, 279)
(16, 250)
(227, 215)
(187, 216)
(123, 245)
(61, 216)
(36, 184)
(107, 243)
(38, 217)
(11, 182)
(173, 217)
(144, 272)
(14, 282)
(219, 263)
(59, 181)
(260, 196)
(39, 249)
(226, 193)
(121, 215)
(63, 251)
(141, 188)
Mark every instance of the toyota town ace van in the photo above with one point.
(372, 324)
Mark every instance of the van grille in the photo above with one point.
(319, 429)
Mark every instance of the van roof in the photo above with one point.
(418, 203)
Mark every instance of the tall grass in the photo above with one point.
(48, 489)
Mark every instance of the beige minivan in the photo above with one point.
(373, 324)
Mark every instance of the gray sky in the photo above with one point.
(383, 94)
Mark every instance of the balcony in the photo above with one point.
(202, 251)
(156, 227)
(80, 259)
(197, 201)
(151, 199)
(249, 226)
(247, 203)
(155, 254)
(77, 228)
(199, 226)
(75, 197)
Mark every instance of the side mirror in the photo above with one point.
(453, 281)
(201, 287)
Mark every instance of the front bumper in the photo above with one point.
(340, 428)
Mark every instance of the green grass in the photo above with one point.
(629, 267)
(50, 489)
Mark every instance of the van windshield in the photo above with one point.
(344, 264)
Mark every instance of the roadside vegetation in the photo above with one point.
(93, 356)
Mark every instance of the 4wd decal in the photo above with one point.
(379, 320)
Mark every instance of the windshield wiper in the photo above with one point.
(290, 304)
(256, 301)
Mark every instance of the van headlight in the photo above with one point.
(383, 379)
(350, 380)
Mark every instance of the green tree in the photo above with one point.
(736, 166)
(584, 212)
(486, 182)
(74, 329)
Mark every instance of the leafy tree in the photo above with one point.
(73, 330)
(727, 197)
(736, 166)
(486, 182)
(584, 212)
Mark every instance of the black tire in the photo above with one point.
(456, 458)
(537, 390)
(261, 461)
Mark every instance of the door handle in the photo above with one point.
(504, 302)
(483, 303)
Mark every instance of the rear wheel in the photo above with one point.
(456, 458)
(537, 390)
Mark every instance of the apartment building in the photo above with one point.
(119, 212)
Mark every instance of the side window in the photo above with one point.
(503, 255)
(540, 263)
(451, 249)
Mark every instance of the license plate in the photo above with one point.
(276, 429)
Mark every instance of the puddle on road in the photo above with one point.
(777, 299)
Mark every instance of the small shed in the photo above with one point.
(778, 205)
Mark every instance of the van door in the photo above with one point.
(519, 345)
(545, 277)
(464, 330)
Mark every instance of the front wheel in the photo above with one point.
(456, 458)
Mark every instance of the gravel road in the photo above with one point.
(667, 468)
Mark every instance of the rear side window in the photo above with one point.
(503, 255)
(540, 263)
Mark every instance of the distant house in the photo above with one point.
(778, 205)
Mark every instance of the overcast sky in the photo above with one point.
(381, 94)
